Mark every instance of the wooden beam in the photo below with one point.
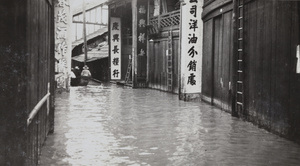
(214, 6)
(93, 23)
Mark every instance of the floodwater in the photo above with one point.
(111, 125)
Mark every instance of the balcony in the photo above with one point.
(164, 21)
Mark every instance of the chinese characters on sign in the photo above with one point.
(191, 46)
(192, 41)
(142, 37)
(115, 52)
(62, 43)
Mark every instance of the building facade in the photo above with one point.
(217, 53)
(250, 61)
(149, 38)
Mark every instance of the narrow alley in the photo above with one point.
(115, 125)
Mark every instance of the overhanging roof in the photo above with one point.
(90, 36)
(93, 55)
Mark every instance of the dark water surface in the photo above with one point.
(112, 125)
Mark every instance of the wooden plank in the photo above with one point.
(207, 58)
(39, 71)
(281, 68)
(34, 65)
(90, 23)
(158, 64)
(217, 59)
(250, 56)
(213, 6)
(266, 68)
(219, 11)
(52, 68)
(150, 64)
(259, 59)
(161, 63)
(274, 14)
(157, 59)
(294, 114)
(175, 65)
(226, 60)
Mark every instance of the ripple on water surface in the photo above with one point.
(112, 125)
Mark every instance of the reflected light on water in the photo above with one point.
(112, 125)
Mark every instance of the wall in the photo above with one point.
(13, 63)
(217, 54)
(272, 85)
(157, 78)
(26, 52)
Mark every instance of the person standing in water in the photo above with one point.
(85, 75)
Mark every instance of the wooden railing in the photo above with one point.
(38, 127)
(37, 108)
(163, 21)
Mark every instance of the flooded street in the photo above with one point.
(115, 125)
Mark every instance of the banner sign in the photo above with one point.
(62, 42)
(115, 51)
(191, 51)
(142, 38)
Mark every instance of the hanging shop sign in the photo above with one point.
(62, 42)
(115, 51)
(191, 40)
(142, 38)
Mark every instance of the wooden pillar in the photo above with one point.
(101, 14)
(52, 74)
(134, 43)
(147, 52)
(84, 33)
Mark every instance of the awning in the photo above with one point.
(90, 36)
(93, 55)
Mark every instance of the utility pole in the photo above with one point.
(84, 33)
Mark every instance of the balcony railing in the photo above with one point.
(163, 21)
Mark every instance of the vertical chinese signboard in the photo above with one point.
(191, 52)
(142, 38)
(62, 43)
(115, 51)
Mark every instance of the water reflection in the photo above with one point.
(112, 125)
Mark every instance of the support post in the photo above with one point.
(134, 43)
(84, 33)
